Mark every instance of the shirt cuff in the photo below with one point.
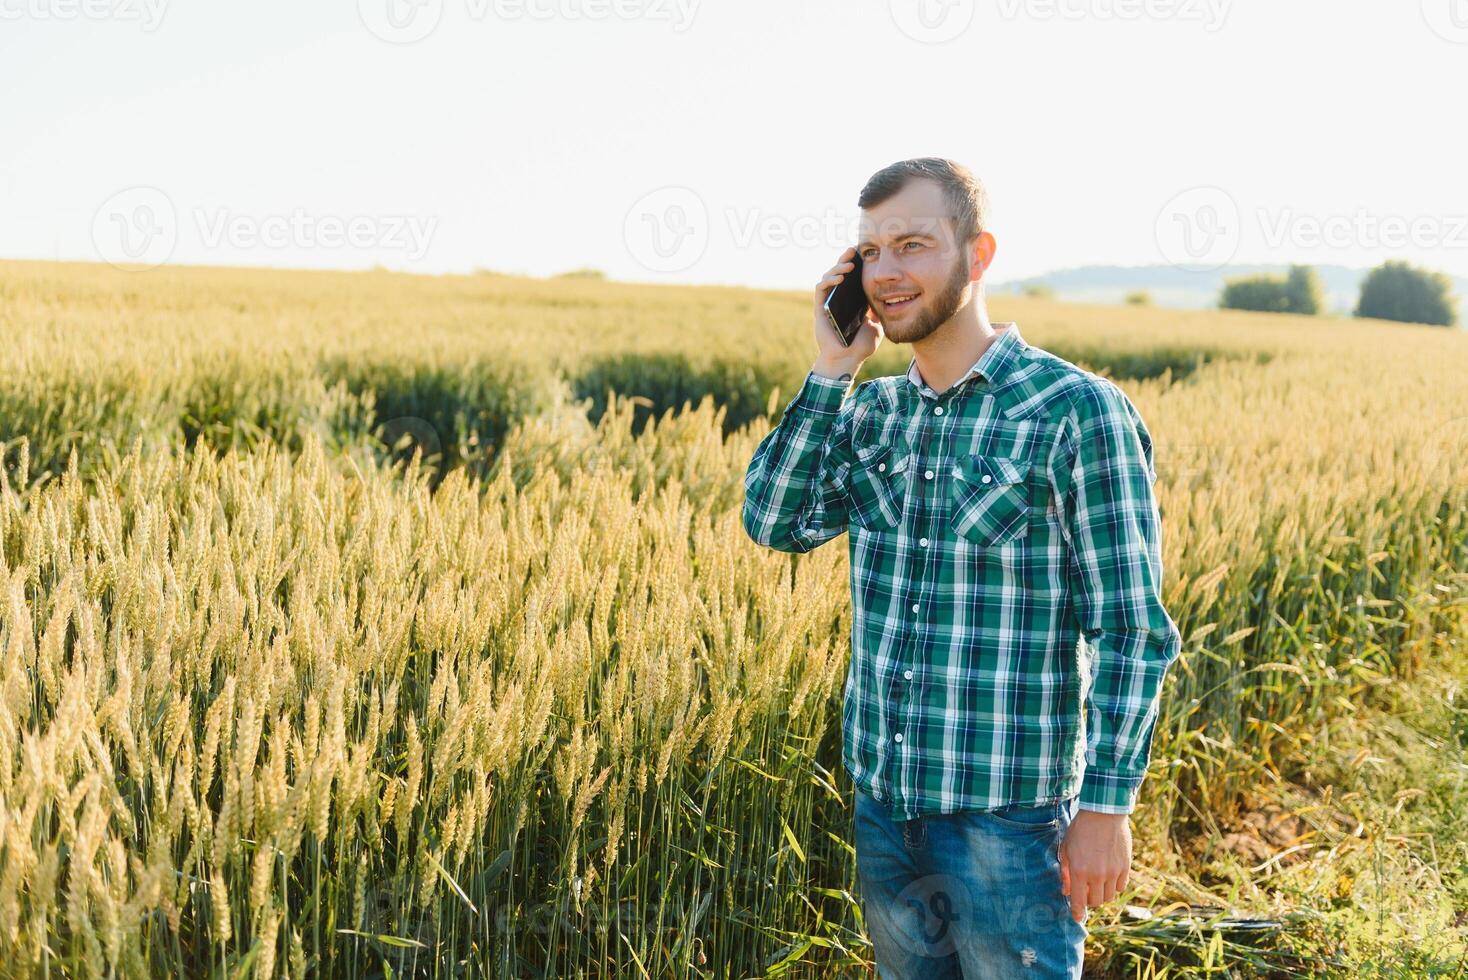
(1108, 792)
(823, 395)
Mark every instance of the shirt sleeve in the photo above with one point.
(1114, 529)
(794, 489)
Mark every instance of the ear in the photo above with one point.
(984, 247)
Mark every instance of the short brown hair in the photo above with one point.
(967, 200)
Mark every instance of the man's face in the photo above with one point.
(907, 250)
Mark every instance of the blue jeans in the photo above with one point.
(973, 895)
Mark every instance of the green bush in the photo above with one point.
(1299, 292)
(1302, 286)
(1399, 291)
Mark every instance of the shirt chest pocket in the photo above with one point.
(989, 499)
(875, 485)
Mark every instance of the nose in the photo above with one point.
(884, 269)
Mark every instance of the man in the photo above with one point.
(1006, 568)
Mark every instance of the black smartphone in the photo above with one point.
(846, 305)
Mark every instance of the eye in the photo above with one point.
(918, 244)
(866, 254)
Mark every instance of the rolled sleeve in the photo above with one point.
(821, 394)
(794, 488)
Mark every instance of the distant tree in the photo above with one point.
(1299, 292)
(1038, 290)
(1139, 297)
(1266, 294)
(1304, 291)
(1399, 291)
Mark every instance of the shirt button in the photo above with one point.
(986, 479)
(907, 674)
(881, 467)
(897, 737)
(955, 471)
(923, 542)
(914, 607)
(937, 411)
(929, 474)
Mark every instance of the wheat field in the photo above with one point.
(280, 697)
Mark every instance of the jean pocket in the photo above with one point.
(874, 486)
(1028, 817)
(990, 499)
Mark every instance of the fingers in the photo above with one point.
(1072, 888)
(832, 279)
(1119, 885)
(1087, 890)
(838, 271)
(1083, 892)
(1090, 897)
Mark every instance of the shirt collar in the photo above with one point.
(998, 358)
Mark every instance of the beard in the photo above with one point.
(937, 312)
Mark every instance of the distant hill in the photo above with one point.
(1174, 287)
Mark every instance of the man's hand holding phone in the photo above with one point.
(836, 358)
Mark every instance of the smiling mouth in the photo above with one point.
(900, 301)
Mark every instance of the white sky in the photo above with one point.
(527, 135)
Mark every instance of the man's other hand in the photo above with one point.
(1095, 859)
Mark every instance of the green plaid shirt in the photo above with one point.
(1006, 568)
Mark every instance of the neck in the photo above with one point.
(946, 354)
